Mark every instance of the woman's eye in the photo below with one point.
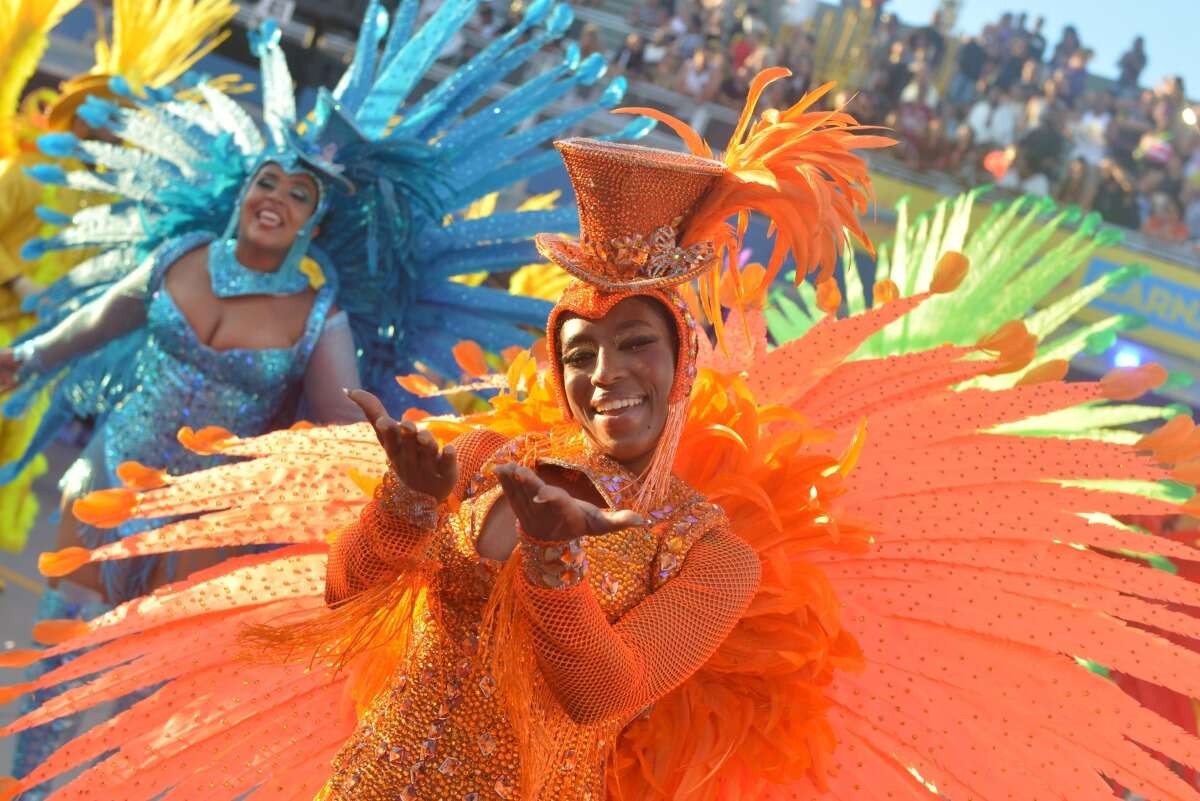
(577, 359)
(301, 197)
(639, 343)
(266, 183)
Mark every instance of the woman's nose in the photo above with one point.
(609, 367)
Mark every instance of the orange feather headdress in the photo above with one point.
(798, 167)
(652, 220)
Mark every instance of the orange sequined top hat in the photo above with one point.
(658, 218)
(632, 201)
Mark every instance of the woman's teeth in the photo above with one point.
(269, 218)
(610, 406)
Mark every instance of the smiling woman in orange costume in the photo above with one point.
(625, 579)
(529, 668)
(567, 579)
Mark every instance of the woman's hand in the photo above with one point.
(8, 370)
(413, 453)
(25, 287)
(551, 514)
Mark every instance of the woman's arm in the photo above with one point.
(600, 671)
(333, 368)
(377, 547)
(118, 311)
(392, 527)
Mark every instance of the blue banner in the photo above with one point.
(1166, 305)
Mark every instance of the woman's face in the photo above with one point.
(617, 374)
(277, 206)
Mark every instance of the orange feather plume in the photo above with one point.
(797, 167)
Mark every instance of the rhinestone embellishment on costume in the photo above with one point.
(652, 258)
(505, 787)
(439, 730)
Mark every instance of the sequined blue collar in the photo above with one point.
(230, 278)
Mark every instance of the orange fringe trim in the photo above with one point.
(372, 632)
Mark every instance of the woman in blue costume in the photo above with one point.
(206, 354)
(244, 280)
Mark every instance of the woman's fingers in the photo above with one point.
(605, 521)
(519, 495)
(514, 473)
(427, 453)
(539, 498)
(397, 439)
(375, 414)
(413, 453)
(405, 459)
(548, 495)
(372, 407)
(447, 463)
(392, 439)
(549, 512)
(513, 487)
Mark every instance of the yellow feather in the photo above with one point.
(154, 42)
(368, 484)
(484, 207)
(546, 281)
(25, 27)
(543, 202)
(471, 279)
(310, 268)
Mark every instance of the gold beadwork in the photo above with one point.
(439, 730)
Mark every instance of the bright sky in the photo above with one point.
(1171, 28)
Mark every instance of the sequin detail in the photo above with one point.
(230, 279)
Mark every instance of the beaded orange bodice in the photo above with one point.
(440, 730)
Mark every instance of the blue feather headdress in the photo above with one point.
(395, 169)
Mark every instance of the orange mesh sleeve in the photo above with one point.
(600, 671)
(376, 546)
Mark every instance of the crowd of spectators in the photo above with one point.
(710, 53)
(1003, 105)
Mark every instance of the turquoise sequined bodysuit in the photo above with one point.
(180, 381)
